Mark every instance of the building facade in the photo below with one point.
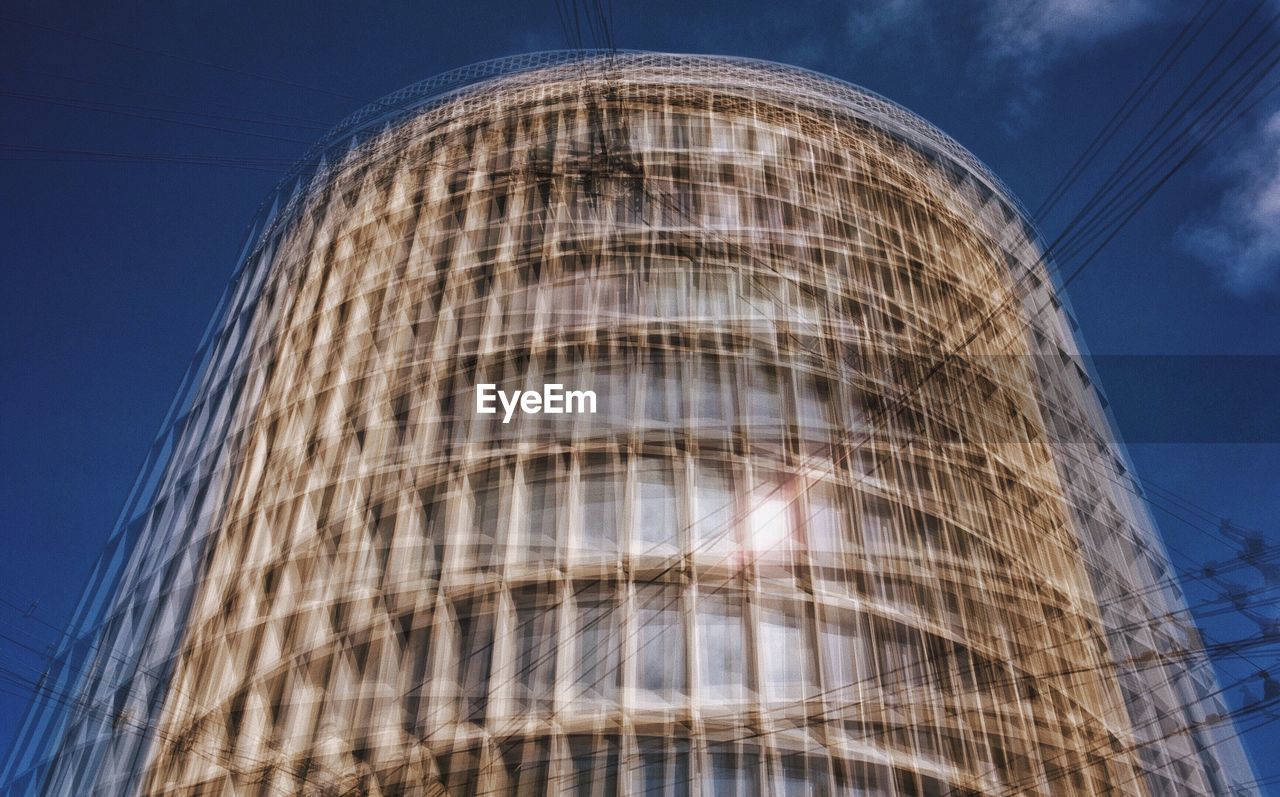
(849, 517)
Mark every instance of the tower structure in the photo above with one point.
(849, 517)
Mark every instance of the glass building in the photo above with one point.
(849, 518)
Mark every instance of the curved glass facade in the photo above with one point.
(848, 518)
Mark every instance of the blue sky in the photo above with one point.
(113, 263)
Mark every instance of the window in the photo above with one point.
(541, 517)
(844, 659)
(709, 396)
(527, 764)
(662, 393)
(484, 518)
(733, 772)
(721, 650)
(826, 530)
(713, 513)
(601, 487)
(475, 657)
(663, 768)
(656, 519)
(803, 776)
(535, 643)
(595, 766)
(786, 657)
(770, 518)
(596, 643)
(764, 396)
(660, 648)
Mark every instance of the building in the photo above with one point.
(849, 517)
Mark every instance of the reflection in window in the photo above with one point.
(713, 516)
(656, 521)
(858, 779)
(484, 518)
(595, 766)
(663, 769)
(814, 400)
(764, 396)
(876, 523)
(770, 518)
(662, 393)
(844, 659)
(541, 502)
(733, 772)
(535, 638)
(596, 643)
(475, 656)
(660, 648)
(527, 766)
(826, 530)
(721, 651)
(803, 776)
(786, 658)
(601, 488)
(709, 396)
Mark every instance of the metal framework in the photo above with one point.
(850, 518)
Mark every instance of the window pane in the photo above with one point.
(595, 766)
(535, 636)
(475, 656)
(601, 488)
(826, 530)
(769, 521)
(656, 520)
(713, 514)
(663, 769)
(660, 653)
(722, 659)
(596, 640)
(527, 765)
(485, 514)
(541, 515)
(786, 660)
(733, 772)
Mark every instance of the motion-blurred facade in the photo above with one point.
(849, 517)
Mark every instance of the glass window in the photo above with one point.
(542, 501)
(844, 659)
(656, 520)
(485, 513)
(713, 513)
(601, 488)
(660, 648)
(662, 394)
(527, 764)
(786, 657)
(663, 769)
(876, 525)
(596, 644)
(595, 766)
(803, 776)
(535, 638)
(733, 772)
(857, 779)
(825, 529)
(764, 396)
(475, 656)
(770, 518)
(721, 649)
(709, 397)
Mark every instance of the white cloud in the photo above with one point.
(1240, 240)
(870, 23)
(1031, 34)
